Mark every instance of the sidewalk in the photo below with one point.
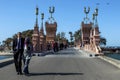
(115, 62)
(86, 53)
(112, 61)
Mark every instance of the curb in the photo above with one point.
(90, 54)
(111, 61)
(6, 62)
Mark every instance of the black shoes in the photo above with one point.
(19, 73)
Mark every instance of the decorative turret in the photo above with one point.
(51, 27)
(42, 29)
(39, 39)
(86, 28)
(95, 33)
(36, 27)
(41, 34)
(96, 28)
(35, 36)
(86, 19)
(90, 32)
(51, 18)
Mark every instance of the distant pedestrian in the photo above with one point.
(18, 48)
(55, 46)
(28, 49)
(61, 46)
(48, 46)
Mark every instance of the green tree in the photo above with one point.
(103, 41)
(27, 33)
(8, 41)
(60, 37)
(77, 35)
(71, 37)
(57, 37)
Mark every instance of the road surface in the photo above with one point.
(69, 64)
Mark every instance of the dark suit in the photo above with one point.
(18, 48)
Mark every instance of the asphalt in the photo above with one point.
(70, 64)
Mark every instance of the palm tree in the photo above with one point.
(77, 35)
(8, 43)
(103, 41)
(71, 37)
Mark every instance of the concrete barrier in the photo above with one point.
(5, 62)
(6, 54)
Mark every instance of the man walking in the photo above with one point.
(18, 48)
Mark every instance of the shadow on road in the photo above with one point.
(44, 74)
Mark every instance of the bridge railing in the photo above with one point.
(111, 49)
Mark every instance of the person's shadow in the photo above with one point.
(44, 74)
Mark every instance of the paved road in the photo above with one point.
(66, 65)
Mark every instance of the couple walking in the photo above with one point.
(22, 49)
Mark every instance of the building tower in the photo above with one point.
(35, 36)
(86, 28)
(41, 35)
(96, 33)
(90, 33)
(51, 27)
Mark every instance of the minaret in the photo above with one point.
(96, 28)
(35, 36)
(42, 29)
(96, 33)
(41, 34)
(36, 27)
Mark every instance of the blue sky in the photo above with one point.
(19, 15)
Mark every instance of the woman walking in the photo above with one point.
(28, 49)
